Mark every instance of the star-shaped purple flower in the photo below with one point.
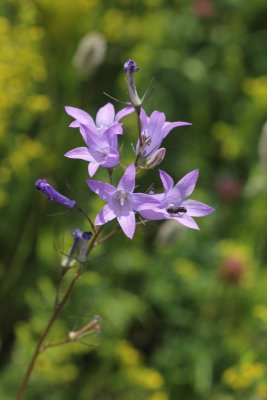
(154, 129)
(100, 136)
(121, 201)
(174, 203)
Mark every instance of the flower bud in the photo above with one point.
(155, 159)
(53, 195)
(79, 247)
(130, 68)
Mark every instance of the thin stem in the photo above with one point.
(61, 343)
(93, 241)
(38, 348)
(110, 171)
(138, 110)
(87, 217)
(107, 236)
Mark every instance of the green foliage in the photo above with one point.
(184, 313)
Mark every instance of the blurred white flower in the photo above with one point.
(90, 53)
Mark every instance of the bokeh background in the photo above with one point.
(184, 312)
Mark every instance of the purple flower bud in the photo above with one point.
(52, 194)
(78, 247)
(155, 159)
(130, 68)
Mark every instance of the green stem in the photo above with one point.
(38, 348)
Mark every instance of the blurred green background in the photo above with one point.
(184, 312)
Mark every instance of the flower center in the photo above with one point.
(122, 202)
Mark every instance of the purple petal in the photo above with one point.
(187, 184)
(105, 215)
(187, 221)
(166, 180)
(153, 214)
(196, 209)
(154, 132)
(168, 126)
(74, 124)
(122, 113)
(92, 168)
(105, 116)
(143, 201)
(115, 130)
(127, 182)
(82, 116)
(81, 153)
(144, 119)
(127, 223)
(156, 122)
(104, 190)
(112, 159)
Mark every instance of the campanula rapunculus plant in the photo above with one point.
(123, 203)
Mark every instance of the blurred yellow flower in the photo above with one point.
(244, 375)
(128, 355)
(159, 396)
(260, 312)
(257, 89)
(146, 377)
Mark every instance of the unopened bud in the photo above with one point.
(130, 68)
(79, 247)
(155, 159)
(53, 194)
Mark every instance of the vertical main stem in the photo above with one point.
(38, 348)
(137, 111)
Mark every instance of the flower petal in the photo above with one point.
(187, 221)
(82, 116)
(104, 190)
(92, 168)
(122, 113)
(187, 184)
(81, 153)
(166, 180)
(112, 159)
(197, 209)
(153, 214)
(168, 126)
(144, 119)
(105, 116)
(127, 223)
(143, 201)
(127, 182)
(154, 132)
(105, 215)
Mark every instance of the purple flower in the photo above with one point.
(154, 130)
(52, 194)
(121, 201)
(174, 203)
(100, 137)
(130, 68)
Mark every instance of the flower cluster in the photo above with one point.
(101, 150)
